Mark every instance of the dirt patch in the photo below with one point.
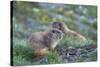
(79, 54)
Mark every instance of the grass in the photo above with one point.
(54, 58)
(24, 55)
(73, 42)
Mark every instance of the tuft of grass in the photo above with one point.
(22, 54)
(54, 58)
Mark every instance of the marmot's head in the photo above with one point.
(53, 37)
(57, 25)
(56, 34)
(60, 25)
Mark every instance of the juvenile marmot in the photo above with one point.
(64, 28)
(41, 42)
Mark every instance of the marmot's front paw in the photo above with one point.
(41, 52)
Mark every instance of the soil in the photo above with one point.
(79, 54)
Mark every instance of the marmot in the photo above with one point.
(41, 42)
(64, 28)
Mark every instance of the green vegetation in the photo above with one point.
(74, 42)
(24, 55)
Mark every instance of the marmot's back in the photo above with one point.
(36, 40)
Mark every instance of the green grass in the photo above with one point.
(54, 58)
(24, 55)
(73, 42)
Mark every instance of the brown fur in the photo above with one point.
(41, 42)
(68, 32)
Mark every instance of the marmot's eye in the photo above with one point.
(53, 31)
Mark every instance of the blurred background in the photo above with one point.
(35, 16)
